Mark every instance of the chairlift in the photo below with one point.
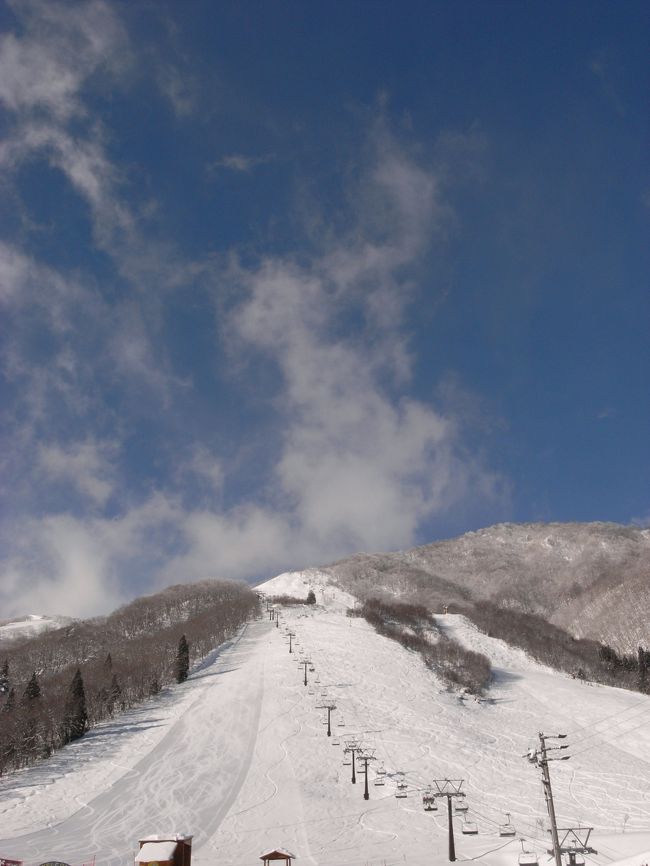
(379, 782)
(336, 742)
(469, 828)
(429, 801)
(400, 793)
(527, 858)
(381, 770)
(507, 829)
(341, 723)
(347, 761)
(312, 670)
(460, 807)
(317, 680)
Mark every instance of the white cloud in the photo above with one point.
(206, 467)
(62, 45)
(86, 466)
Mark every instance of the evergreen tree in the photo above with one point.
(182, 660)
(108, 665)
(33, 729)
(644, 662)
(32, 691)
(4, 678)
(10, 703)
(75, 719)
(114, 695)
(311, 597)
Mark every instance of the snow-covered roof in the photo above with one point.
(277, 854)
(155, 852)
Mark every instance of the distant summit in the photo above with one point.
(593, 579)
(30, 625)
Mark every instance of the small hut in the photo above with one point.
(277, 854)
(172, 850)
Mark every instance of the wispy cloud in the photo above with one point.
(240, 162)
(85, 466)
(359, 462)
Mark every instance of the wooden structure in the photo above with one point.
(174, 849)
(277, 854)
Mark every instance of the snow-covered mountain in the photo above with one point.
(30, 626)
(592, 579)
(238, 756)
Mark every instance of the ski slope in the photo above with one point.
(238, 757)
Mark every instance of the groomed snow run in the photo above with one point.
(239, 757)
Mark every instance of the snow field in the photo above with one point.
(238, 756)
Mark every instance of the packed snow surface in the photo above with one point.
(238, 756)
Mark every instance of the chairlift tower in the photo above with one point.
(330, 709)
(449, 788)
(305, 663)
(352, 747)
(292, 634)
(365, 756)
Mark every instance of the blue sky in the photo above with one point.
(284, 281)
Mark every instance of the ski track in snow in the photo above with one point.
(238, 757)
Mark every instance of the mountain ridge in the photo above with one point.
(592, 579)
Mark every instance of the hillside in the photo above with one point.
(238, 756)
(592, 579)
(57, 682)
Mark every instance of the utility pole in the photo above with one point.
(291, 635)
(353, 746)
(575, 839)
(365, 756)
(329, 708)
(449, 788)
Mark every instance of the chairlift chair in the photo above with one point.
(429, 801)
(460, 807)
(507, 829)
(381, 770)
(527, 858)
(347, 760)
(469, 828)
(379, 781)
(336, 742)
(400, 793)
(341, 723)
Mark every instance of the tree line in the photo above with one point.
(415, 628)
(54, 686)
(584, 658)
